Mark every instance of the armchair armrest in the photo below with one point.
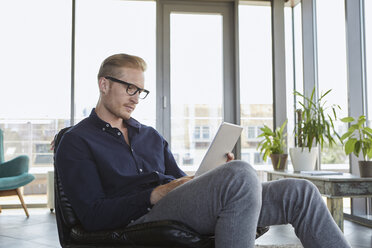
(14, 167)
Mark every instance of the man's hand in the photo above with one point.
(162, 190)
(230, 156)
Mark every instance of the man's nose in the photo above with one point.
(135, 98)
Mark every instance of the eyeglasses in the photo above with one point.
(131, 88)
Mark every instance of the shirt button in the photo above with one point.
(140, 170)
(131, 221)
(149, 209)
(119, 133)
(103, 129)
(156, 172)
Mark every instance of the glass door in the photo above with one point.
(196, 75)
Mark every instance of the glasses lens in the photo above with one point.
(131, 89)
(143, 95)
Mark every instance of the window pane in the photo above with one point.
(196, 83)
(289, 74)
(298, 48)
(35, 67)
(255, 76)
(368, 28)
(107, 27)
(332, 71)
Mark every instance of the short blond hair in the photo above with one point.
(110, 65)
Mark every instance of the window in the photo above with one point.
(332, 71)
(206, 133)
(299, 81)
(368, 29)
(251, 133)
(119, 27)
(196, 85)
(197, 133)
(202, 133)
(256, 101)
(290, 70)
(246, 157)
(258, 158)
(35, 86)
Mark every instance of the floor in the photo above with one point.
(40, 231)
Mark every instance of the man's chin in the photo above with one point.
(125, 116)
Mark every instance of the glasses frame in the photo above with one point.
(140, 90)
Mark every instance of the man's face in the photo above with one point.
(115, 98)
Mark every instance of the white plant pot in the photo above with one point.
(302, 159)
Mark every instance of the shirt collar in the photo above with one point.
(101, 123)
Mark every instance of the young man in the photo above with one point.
(118, 172)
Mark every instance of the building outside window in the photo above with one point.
(206, 133)
(251, 133)
(197, 133)
(202, 133)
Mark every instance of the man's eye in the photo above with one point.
(132, 88)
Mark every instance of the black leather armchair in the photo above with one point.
(159, 234)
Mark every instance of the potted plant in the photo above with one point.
(274, 145)
(314, 128)
(359, 140)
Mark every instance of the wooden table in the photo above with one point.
(334, 187)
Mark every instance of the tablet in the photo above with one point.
(223, 143)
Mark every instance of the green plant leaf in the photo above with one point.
(349, 146)
(369, 135)
(334, 112)
(369, 154)
(346, 135)
(361, 122)
(322, 96)
(368, 129)
(357, 147)
(347, 119)
(353, 128)
(362, 118)
(283, 126)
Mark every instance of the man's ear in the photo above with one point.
(103, 85)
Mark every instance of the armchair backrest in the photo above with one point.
(1, 147)
(65, 215)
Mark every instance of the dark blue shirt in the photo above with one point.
(108, 182)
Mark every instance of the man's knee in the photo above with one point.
(239, 181)
(306, 186)
(301, 189)
(241, 173)
(239, 168)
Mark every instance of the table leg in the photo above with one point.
(335, 206)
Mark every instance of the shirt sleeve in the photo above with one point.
(171, 167)
(81, 182)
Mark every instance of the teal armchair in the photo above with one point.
(13, 175)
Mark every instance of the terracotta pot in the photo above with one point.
(302, 159)
(365, 168)
(279, 161)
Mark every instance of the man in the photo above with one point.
(118, 172)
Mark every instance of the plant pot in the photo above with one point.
(365, 168)
(279, 161)
(302, 159)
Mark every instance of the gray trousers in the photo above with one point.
(230, 202)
